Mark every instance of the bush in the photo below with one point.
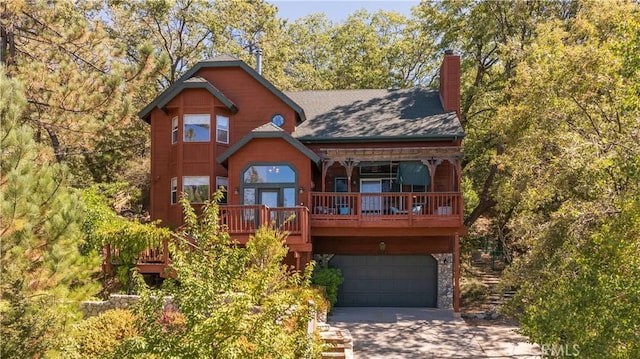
(98, 336)
(330, 279)
(472, 291)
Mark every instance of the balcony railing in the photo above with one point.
(385, 206)
(246, 219)
(238, 221)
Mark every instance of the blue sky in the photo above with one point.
(337, 11)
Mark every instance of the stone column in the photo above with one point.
(445, 280)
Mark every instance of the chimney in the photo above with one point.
(259, 61)
(450, 82)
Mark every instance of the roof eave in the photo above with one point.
(308, 139)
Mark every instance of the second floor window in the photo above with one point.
(197, 128)
(222, 129)
(174, 130)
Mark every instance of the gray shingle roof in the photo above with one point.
(404, 114)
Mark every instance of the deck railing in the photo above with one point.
(238, 220)
(385, 206)
(246, 219)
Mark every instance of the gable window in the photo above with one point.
(174, 190)
(276, 173)
(222, 129)
(174, 130)
(196, 188)
(197, 128)
(273, 184)
(224, 183)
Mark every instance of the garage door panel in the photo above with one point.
(390, 280)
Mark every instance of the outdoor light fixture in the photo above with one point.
(382, 246)
(301, 190)
(236, 190)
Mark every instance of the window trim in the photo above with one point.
(218, 117)
(195, 116)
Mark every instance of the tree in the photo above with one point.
(491, 37)
(572, 159)
(369, 50)
(228, 302)
(42, 270)
(78, 86)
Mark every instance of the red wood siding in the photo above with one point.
(269, 150)
(393, 245)
(256, 105)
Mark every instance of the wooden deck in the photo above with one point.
(331, 214)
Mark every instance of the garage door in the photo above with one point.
(387, 280)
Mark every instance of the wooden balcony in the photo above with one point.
(335, 212)
(240, 222)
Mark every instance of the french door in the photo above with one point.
(371, 204)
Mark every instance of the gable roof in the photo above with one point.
(218, 61)
(190, 83)
(268, 130)
(377, 114)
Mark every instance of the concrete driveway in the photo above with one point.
(426, 333)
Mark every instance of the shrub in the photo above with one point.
(330, 279)
(98, 336)
(472, 291)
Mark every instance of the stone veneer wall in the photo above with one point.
(445, 280)
(115, 301)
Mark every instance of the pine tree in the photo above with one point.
(42, 269)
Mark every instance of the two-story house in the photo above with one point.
(366, 180)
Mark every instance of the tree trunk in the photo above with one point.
(486, 199)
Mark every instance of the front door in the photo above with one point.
(270, 198)
(371, 204)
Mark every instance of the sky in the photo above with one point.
(337, 11)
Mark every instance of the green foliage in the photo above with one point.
(233, 302)
(78, 85)
(98, 337)
(570, 194)
(102, 227)
(590, 298)
(472, 291)
(330, 279)
(42, 269)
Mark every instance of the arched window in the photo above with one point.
(271, 184)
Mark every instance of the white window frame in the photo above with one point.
(196, 119)
(219, 128)
(174, 190)
(223, 182)
(174, 130)
(204, 181)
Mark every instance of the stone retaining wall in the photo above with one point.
(115, 301)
